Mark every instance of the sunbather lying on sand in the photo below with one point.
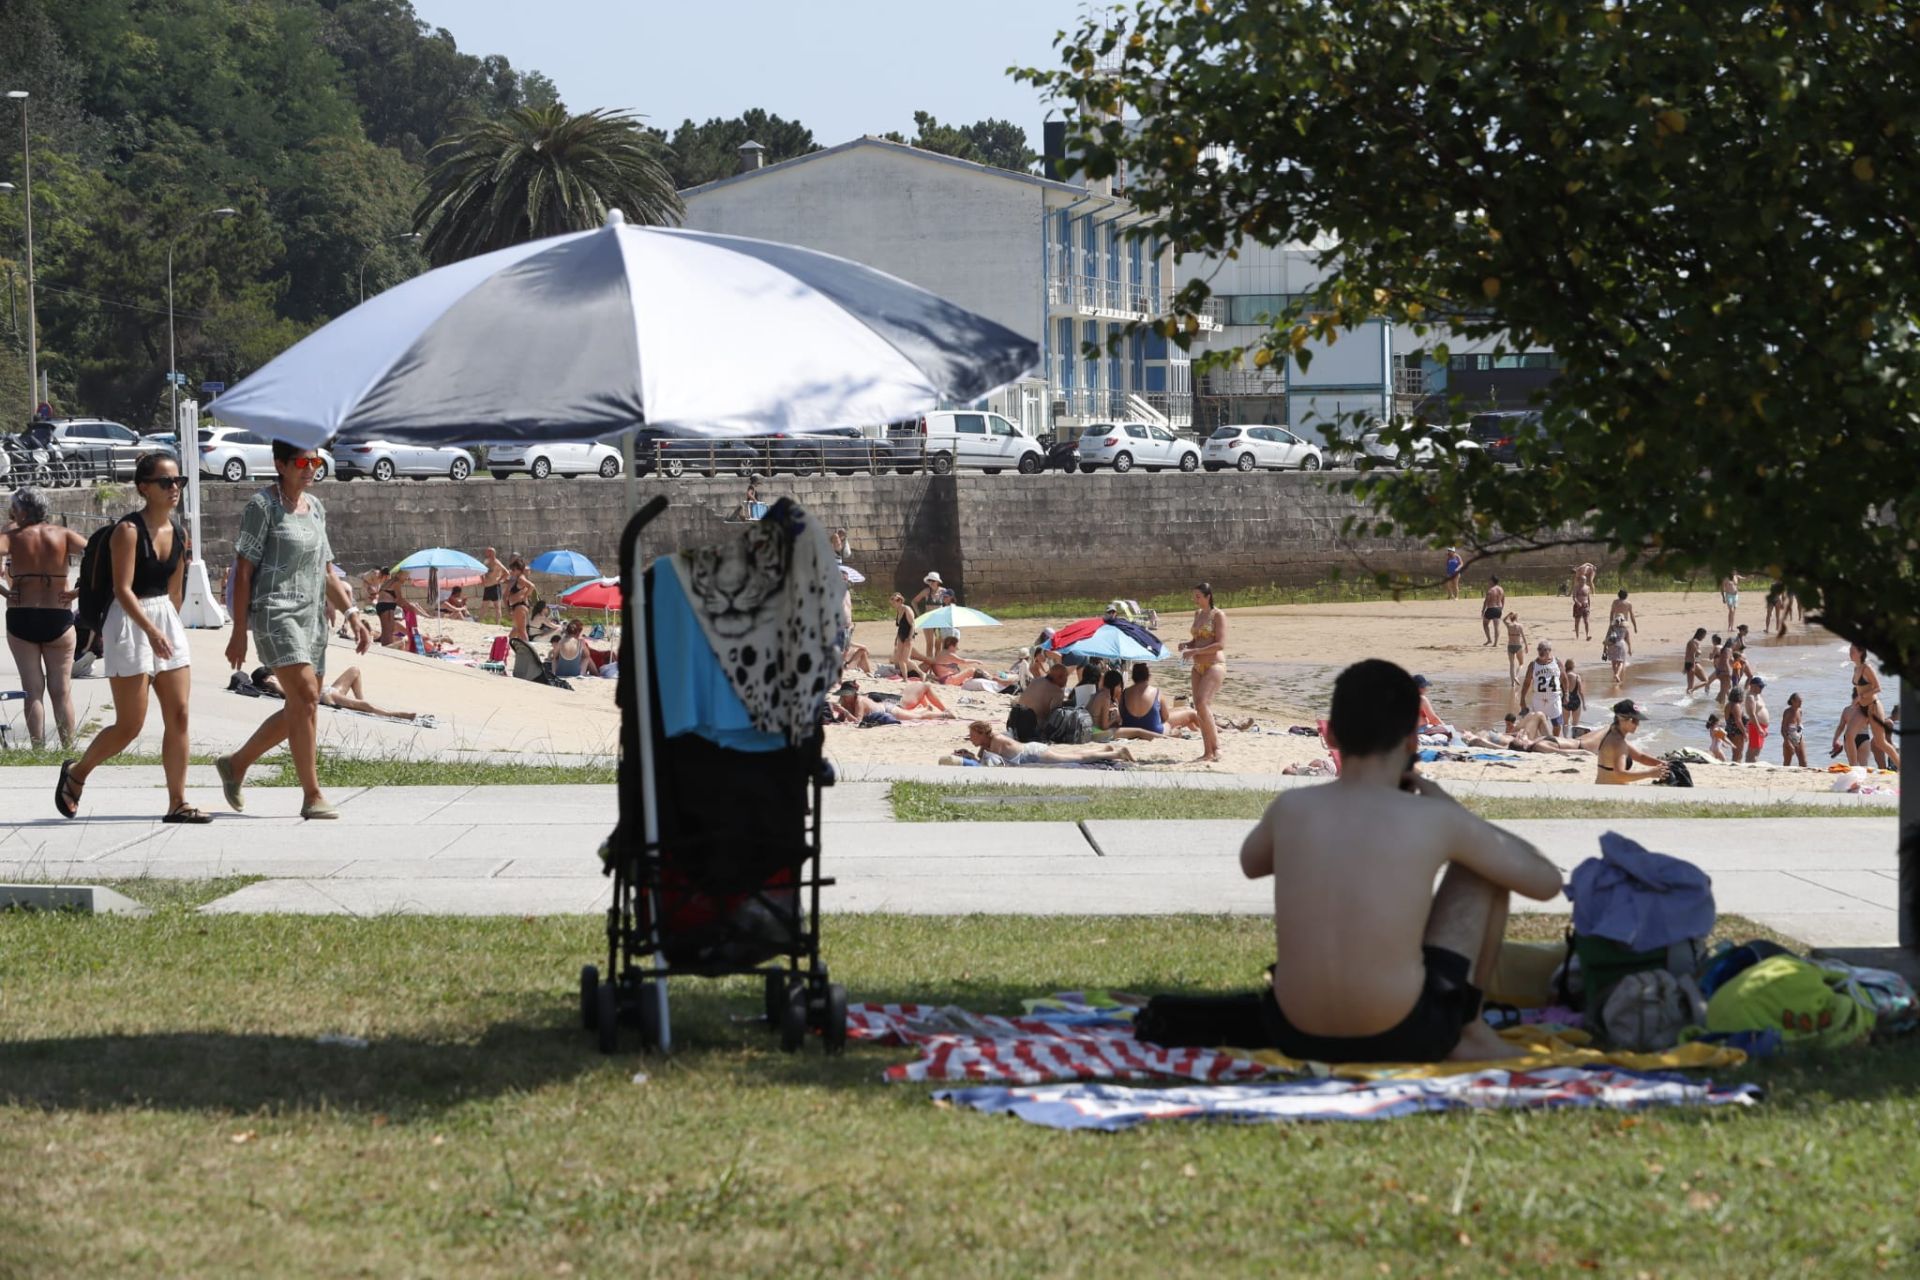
(1373, 964)
(344, 692)
(990, 741)
(919, 702)
(1531, 732)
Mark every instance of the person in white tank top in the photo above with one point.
(1542, 684)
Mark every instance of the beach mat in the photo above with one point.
(1113, 1107)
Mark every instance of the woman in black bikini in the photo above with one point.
(39, 621)
(1878, 730)
(902, 636)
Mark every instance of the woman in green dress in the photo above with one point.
(281, 588)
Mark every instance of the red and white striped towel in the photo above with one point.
(955, 1044)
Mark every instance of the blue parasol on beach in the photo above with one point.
(565, 564)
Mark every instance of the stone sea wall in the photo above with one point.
(994, 538)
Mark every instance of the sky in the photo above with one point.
(842, 68)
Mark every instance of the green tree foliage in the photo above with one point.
(538, 171)
(999, 143)
(312, 116)
(700, 153)
(1706, 210)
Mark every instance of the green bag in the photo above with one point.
(1806, 1004)
(1602, 963)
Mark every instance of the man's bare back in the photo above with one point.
(1353, 863)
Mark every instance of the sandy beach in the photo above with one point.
(1282, 661)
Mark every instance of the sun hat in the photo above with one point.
(1421, 682)
(931, 577)
(1628, 707)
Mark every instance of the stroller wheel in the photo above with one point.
(651, 994)
(607, 1017)
(776, 996)
(833, 1026)
(589, 996)
(793, 1020)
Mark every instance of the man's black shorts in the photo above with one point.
(490, 593)
(1448, 1002)
(1254, 1021)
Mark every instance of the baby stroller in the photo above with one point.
(715, 860)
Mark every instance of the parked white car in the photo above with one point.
(234, 455)
(1416, 451)
(385, 460)
(1126, 445)
(556, 458)
(965, 438)
(1255, 448)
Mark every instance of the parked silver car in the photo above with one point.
(386, 460)
(235, 454)
(1126, 445)
(553, 458)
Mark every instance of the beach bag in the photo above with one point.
(96, 572)
(1067, 726)
(1896, 1009)
(1678, 775)
(1640, 899)
(1807, 1005)
(1646, 1012)
(1727, 960)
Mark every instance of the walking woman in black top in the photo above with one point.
(145, 644)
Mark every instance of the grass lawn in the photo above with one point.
(164, 1109)
(938, 802)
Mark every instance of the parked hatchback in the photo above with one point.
(387, 460)
(110, 449)
(973, 438)
(1126, 445)
(1499, 433)
(554, 458)
(234, 455)
(1247, 448)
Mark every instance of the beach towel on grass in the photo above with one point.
(1080, 1043)
(1111, 1107)
(1078, 1039)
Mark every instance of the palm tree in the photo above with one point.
(540, 171)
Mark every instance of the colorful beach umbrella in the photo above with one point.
(952, 617)
(602, 593)
(565, 564)
(1114, 638)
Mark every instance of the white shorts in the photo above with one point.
(128, 651)
(1550, 708)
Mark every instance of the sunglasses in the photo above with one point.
(305, 464)
(168, 482)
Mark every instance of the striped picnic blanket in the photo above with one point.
(1105, 1106)
(1077, 1042)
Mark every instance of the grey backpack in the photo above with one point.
(1067, 726)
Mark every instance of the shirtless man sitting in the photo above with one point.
(1618, 756)
(1373, 965)
(988, 740)
(1040, 699)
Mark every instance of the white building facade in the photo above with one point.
(1050, 260)
(1353, 374)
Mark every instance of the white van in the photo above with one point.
(965, 438)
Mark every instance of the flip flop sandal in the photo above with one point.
(66, 792)
(229, 783)
(187, 813)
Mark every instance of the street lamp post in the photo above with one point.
(201, 610)
(33, 337)
(368, 257)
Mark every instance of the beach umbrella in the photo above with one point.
(602, 594)
(953, 617)
(565, 564)
(594, 333)
(437, 567)
(1109, 638)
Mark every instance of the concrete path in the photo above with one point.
(531, 851)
